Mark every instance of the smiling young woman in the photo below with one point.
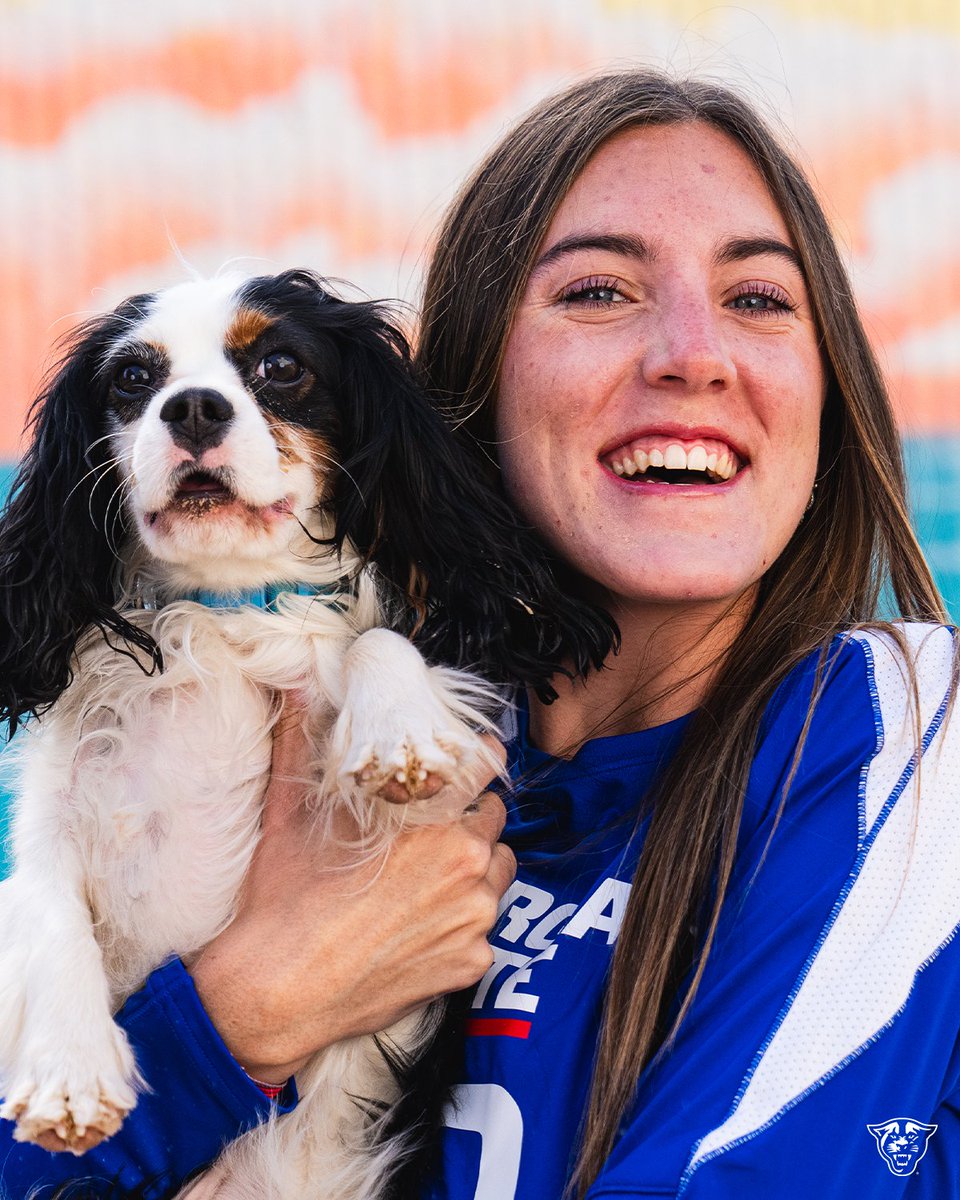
(665, 320)
(668, 368)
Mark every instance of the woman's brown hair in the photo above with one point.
(853, 553)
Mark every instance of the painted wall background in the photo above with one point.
(330, 134)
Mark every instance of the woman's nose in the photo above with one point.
(686, 348)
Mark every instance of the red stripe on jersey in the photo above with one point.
(497, 1027)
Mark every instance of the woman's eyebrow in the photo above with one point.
(737, 249)
(733, 250)
(615, 243)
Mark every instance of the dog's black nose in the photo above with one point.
(198, 418)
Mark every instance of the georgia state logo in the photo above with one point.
(902, 1142)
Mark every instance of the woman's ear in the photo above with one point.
(60, 534)
(477, 586)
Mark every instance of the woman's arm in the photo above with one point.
(320, 950)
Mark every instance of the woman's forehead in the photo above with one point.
(668, 180)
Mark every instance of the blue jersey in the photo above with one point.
(819, 1057)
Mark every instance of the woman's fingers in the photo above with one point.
(488, 815)
(503, 869)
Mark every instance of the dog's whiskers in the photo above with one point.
(122, 490)
(100, 470)
(102, 473)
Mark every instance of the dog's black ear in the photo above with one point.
(60, 532)
(478, 586)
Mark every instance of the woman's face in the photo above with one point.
(659, 405)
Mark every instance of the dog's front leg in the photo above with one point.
(406, 729)
(67, 1071)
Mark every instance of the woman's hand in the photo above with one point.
(323, 949)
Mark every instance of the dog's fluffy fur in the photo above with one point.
(230, 435)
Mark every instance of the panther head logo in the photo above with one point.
(902, 1142)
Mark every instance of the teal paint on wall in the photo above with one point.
(933, 471)
(6, 477)
(5, 790)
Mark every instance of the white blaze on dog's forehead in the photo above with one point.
(190, 321)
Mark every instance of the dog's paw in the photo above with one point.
(413, 760)
(406, 731)
(404, 775)
(72, 1101)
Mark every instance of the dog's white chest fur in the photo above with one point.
(167, 776)
(141, 805)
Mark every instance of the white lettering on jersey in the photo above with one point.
(502, 959)
(523, 904)
(490, 1110)
(531, 922)
(509, 997)
(603, 910)
(539, 936)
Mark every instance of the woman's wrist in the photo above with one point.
(259, 1040)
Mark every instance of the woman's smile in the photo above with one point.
(675, 459)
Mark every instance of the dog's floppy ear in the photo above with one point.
(479, 587)
(60, 532)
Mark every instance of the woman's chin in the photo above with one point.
(657, 588)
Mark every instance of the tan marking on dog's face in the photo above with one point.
(303, 446)
(247, 325)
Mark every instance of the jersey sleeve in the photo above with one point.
(196, 1100)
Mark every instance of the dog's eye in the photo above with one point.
(280, 367)
(132, 378)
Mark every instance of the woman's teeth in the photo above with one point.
(717, 465)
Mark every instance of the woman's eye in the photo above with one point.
(762, 301)
(597, 292)
(280, 367)
(132, 378)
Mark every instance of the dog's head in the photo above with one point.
(220, 400)
(224, 434)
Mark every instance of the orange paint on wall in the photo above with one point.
(926, 404)
(409, 88)
(921, 298)
(456, 81)
(219, 71)
(38, 313)
(223, 70)
(33, 331)
(357, 225)
(848, 167)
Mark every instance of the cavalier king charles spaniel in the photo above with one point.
(236, 491)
